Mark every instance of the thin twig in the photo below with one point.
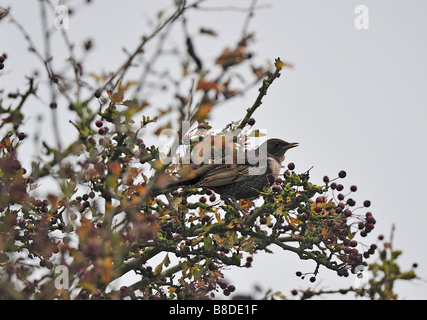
(262, 91)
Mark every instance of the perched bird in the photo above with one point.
(234, 181)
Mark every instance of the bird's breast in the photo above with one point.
(274, 166)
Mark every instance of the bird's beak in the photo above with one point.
(291, 145)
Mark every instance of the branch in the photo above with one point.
(263, 91)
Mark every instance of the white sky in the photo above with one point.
(355, 100)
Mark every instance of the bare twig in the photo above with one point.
(263, 91)
(139, 49)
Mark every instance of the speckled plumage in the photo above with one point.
(241, 181)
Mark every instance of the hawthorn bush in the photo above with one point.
(110, 214)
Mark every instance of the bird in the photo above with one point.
(235, 181)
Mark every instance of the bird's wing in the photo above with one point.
(223, 174)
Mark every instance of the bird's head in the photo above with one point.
(278, 147)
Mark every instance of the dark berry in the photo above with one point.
(291, 166)
(276, 188)
(317, 209)
(325, 179)
(98, 93)
(340, 187)
(102, 130)
(319, 199)
(351, 202)
(294, 292)
(251, 121)
(99, 123)
(202, 199)
(342, 174)
(212, 198)
(21, 136)
(313, 279)
(298, 273)
(367, 203)
(353, 188)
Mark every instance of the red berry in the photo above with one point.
(340, 187)
(99, 123)
(342, 174)
(340, 197)
(102, 130)
(1, 66)
(325, 179)
(291, 166)
(201, 126)
(212, 198)
(317, 209)
(353, 188)
(294, 292)
(319, 199)
(202, 199)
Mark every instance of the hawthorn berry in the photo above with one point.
(276, 188)
(99, 123)
(291, 166)
(367, 203)
(251, 121)
(342, 174)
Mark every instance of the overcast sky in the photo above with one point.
(355, 100)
